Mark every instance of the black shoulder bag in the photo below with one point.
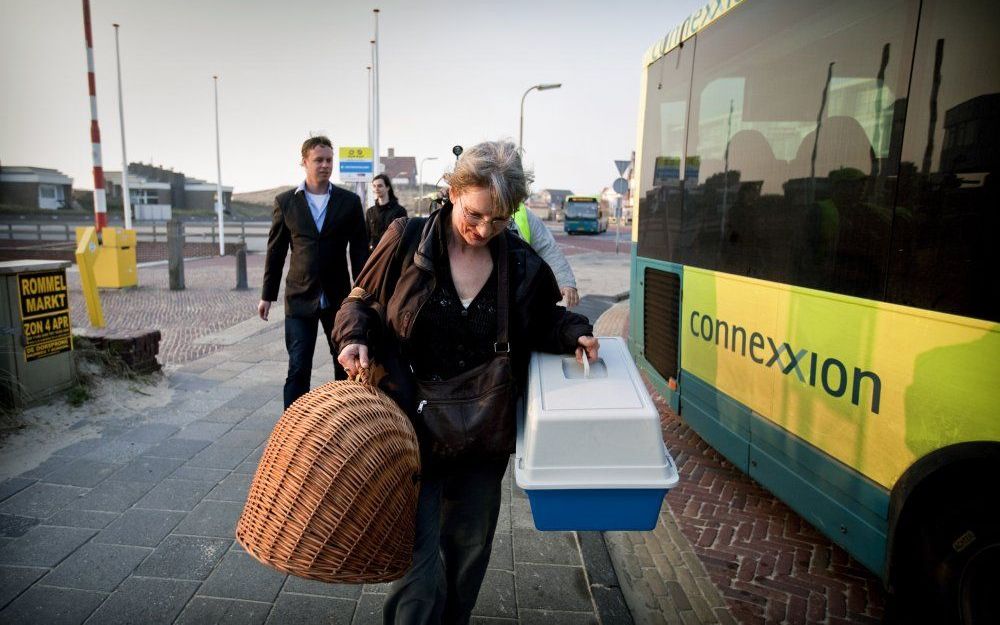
(472, 415)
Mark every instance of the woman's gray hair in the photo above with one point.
(493, 165)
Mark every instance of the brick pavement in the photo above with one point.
(207, 304)
(769, 564)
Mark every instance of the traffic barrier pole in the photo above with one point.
(100, 202)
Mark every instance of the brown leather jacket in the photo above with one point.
(384, 323)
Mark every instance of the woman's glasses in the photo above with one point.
(475, 219)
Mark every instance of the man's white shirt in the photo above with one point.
(317, 206)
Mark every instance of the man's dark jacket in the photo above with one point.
(319, 257)
(379, 218)
(365, 317)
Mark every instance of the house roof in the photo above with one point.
(43, 175)
(399, 166)
(135, 181)
(197, 184)
(201, 185)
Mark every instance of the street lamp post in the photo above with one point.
(219, 200)
(376, 76)
(371, 127)
(520, 134)
(126, 200)
(422, 161)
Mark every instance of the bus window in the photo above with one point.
(793, 106)
(663, 151)
(581, 210)
(945, 256)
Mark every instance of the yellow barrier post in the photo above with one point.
(115, 267)
(87, 250)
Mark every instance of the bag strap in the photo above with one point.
(502, 346)
(402, 257)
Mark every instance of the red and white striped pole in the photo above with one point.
(100, 203)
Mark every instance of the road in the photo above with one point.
(583, 243)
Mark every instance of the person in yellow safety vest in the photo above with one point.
(535, 233)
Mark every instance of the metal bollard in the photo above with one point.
(241, 268)
(175, 254)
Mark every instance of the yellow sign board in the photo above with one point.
(44, 306)
(874, 385)
(355, 154)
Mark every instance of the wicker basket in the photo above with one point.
(335, 495)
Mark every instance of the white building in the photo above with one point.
(35, 187)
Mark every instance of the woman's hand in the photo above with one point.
(588, 344)
(570, 296)
(353, 358)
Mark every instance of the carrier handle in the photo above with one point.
(370, 375)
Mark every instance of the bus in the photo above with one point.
(815, 277)
(583, 214)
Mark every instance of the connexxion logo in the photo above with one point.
(809, 367)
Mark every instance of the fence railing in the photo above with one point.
(252, 233)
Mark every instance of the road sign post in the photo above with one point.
(356, 164)
(621, 188)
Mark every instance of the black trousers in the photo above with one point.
(456, 520)
(300, 341)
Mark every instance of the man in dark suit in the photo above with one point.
(318, 221)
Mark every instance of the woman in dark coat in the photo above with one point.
(428, 306)
(385, 210)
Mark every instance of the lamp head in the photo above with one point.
(554, 85)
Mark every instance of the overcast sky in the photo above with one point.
(452, 73)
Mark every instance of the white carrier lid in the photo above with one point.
(599, 431)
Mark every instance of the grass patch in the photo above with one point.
(78, 395)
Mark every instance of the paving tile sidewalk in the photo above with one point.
(136, 525)
(660, 575)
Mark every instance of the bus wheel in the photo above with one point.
(949, 560)
(980, 601)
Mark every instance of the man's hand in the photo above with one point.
(588, 345)
(570, 296)
(353, 358)
(263, 308)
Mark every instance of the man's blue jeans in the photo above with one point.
(300, 341)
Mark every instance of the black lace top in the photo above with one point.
(449, 339)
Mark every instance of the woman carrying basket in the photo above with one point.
(452, 306)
